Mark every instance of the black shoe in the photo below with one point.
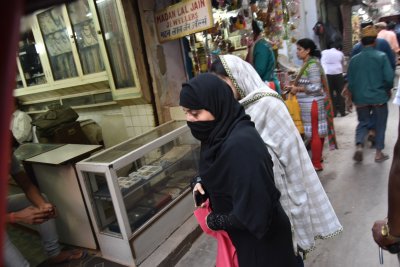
(358, 156)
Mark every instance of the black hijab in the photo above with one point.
(235, 166)
(207, 91)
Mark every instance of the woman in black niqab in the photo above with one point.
(236, 172)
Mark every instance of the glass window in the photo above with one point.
(87, 99)
(152, 182)
(103, 207)
(19, 80)
(86, 37)
(57, 43)
(115, 43)
(30, 61)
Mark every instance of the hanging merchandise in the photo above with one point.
(355, 22)
(273, 19)
(237, 23)
(293, 7)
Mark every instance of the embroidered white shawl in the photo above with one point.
(302, 195)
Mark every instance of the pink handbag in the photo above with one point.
(226, 251)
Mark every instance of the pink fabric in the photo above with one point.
(226, 251)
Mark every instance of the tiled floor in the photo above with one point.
(28, 242)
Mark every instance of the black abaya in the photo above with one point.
(236, 171)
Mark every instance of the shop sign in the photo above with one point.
(186, 17)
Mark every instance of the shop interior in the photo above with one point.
(232, 32)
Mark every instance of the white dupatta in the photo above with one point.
(302, 195)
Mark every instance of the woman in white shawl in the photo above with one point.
(303, 197)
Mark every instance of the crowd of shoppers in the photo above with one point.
(258, 182)
(288, 171)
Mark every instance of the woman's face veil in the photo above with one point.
(207, 91)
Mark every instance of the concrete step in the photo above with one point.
(175, 246)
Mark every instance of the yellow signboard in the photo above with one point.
(184, 18)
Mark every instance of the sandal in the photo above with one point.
(382, 158)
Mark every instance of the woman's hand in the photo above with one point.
(292, 89)
(198, 189)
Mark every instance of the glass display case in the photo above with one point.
(138, 191)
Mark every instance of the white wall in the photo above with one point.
(309, 16)
(120, 123)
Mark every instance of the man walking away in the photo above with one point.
(370, 79)
(380, 45)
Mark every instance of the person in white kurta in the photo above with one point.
(303, 197)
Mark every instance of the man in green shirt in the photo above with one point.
(370, 78)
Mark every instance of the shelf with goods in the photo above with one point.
(30, 72)
(52, 49)
(232, 31)
(230, 34)
(137, 185)
(57, 30)
(280, 20)
(78, 46)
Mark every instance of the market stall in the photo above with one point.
(212, 28)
